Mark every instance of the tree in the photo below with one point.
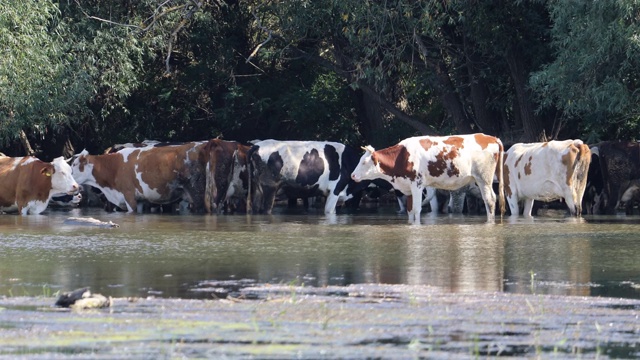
(41, 85)
(594, 78)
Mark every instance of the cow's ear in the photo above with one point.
(47, 171)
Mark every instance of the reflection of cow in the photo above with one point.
(443, 162)
(300, 169)
(27, 183)
(546, 171)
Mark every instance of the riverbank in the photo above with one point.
(357, 321)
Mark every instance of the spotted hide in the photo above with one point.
(300, 169)
(546, 171)
(159, 173)
(226, 175)
(27, 184)
(442, 162)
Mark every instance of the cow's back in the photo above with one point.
(450, 162)
(543, 171)
(301, 162)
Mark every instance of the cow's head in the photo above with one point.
(367, 168)
(81, 168)
(62, 180)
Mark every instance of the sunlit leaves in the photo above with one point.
(595, 73)
(40, 84)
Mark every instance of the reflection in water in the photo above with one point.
(170, 256)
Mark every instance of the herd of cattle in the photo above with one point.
(218, 176)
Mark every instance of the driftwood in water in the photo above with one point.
(87, 221)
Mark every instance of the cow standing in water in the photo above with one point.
(546, 171)
(619, 166)
(443, 162)
(159, 173)
(27, 183)
(227, 175)
(300, 169)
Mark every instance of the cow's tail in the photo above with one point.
(580, 172)
(500, 170)
(210, 182)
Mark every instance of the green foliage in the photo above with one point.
(325, 69)
(594, 76)
(41, 83)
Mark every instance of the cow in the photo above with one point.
(66, 200)
(546, 171)
(27, 183)
(619, 165)
(159, 174)
(300, 169)
(442, 162)
(227, 175)
(630, 196)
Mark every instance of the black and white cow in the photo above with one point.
(300, 169)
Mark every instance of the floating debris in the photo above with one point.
(88, 221)
(83, 299)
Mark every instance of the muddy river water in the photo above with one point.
(168, 261)
(180, 256)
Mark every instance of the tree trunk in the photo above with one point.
(25, 144)
(488, 120)
(448, 94)
(531, 125)
(450, 99)
(370, 118)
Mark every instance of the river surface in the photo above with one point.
(189, 256)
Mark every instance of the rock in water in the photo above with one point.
(87, 221)
(83, 299)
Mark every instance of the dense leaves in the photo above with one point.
(100, 72)
(42, 85)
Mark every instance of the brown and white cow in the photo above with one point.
(27, 183)
(159, 173)
(227, 175)
(443, 162)
(546, 171)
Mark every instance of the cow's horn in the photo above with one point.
(368, 148)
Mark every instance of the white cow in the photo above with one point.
(546, 171)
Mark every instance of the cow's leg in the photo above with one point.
(432, 199)
(132, 204)
(489, 197)
(513, 206)
(528, 206)
(330, 203)
(402, 202)
(456, 200)
(269, 198)
(416, 203)
(570, 200)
